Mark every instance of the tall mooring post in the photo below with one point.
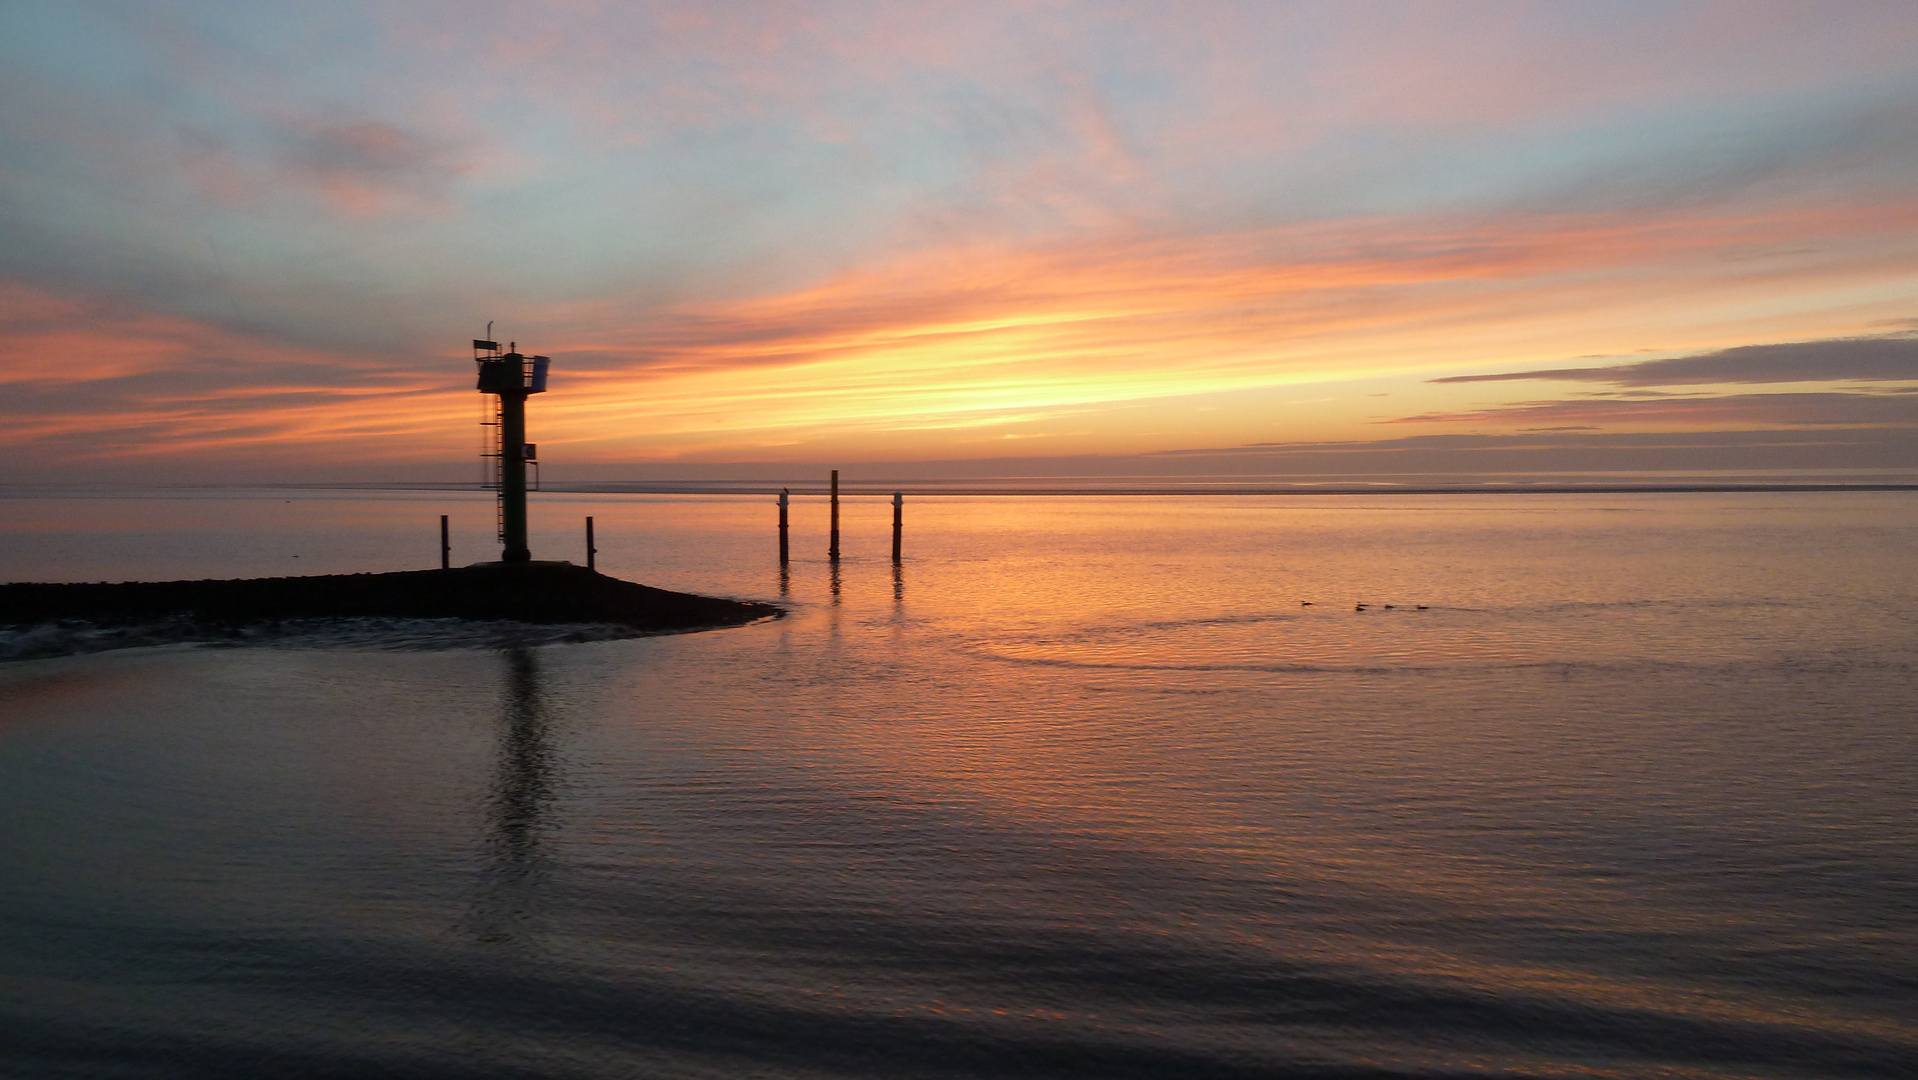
(832, 548)
(785, 496)
(898, 521)
(512, 377)
(591, 551)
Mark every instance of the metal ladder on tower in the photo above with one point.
(492, 451)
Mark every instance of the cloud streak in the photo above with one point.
(1867, 359)
(1892, 409)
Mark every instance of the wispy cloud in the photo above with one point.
(358, 167)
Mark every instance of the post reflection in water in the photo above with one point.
(898, 582)
(835, 583)
(518, 808)
(785, 580)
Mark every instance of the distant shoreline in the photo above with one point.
(881, 488)
(933, 488)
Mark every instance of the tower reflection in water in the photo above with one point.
(518, 808)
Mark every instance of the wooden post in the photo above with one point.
(446, 546)
(898, 521)
(832, 549)
(785, 496)
(590, 549)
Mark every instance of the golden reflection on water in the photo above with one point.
(1097, 681)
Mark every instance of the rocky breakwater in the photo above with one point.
(46, 618)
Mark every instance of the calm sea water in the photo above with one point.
(1081, 789)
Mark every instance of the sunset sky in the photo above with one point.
(251, 240)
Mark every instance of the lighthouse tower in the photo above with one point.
(512, 377)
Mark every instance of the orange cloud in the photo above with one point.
(989, 335)
(110, 384)
(985, 349)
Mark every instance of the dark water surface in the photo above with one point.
(1082, 789)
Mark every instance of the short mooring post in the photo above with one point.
(590, 549)
(898, 521)
(785, 496)
(832, 549)
(446, 546)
